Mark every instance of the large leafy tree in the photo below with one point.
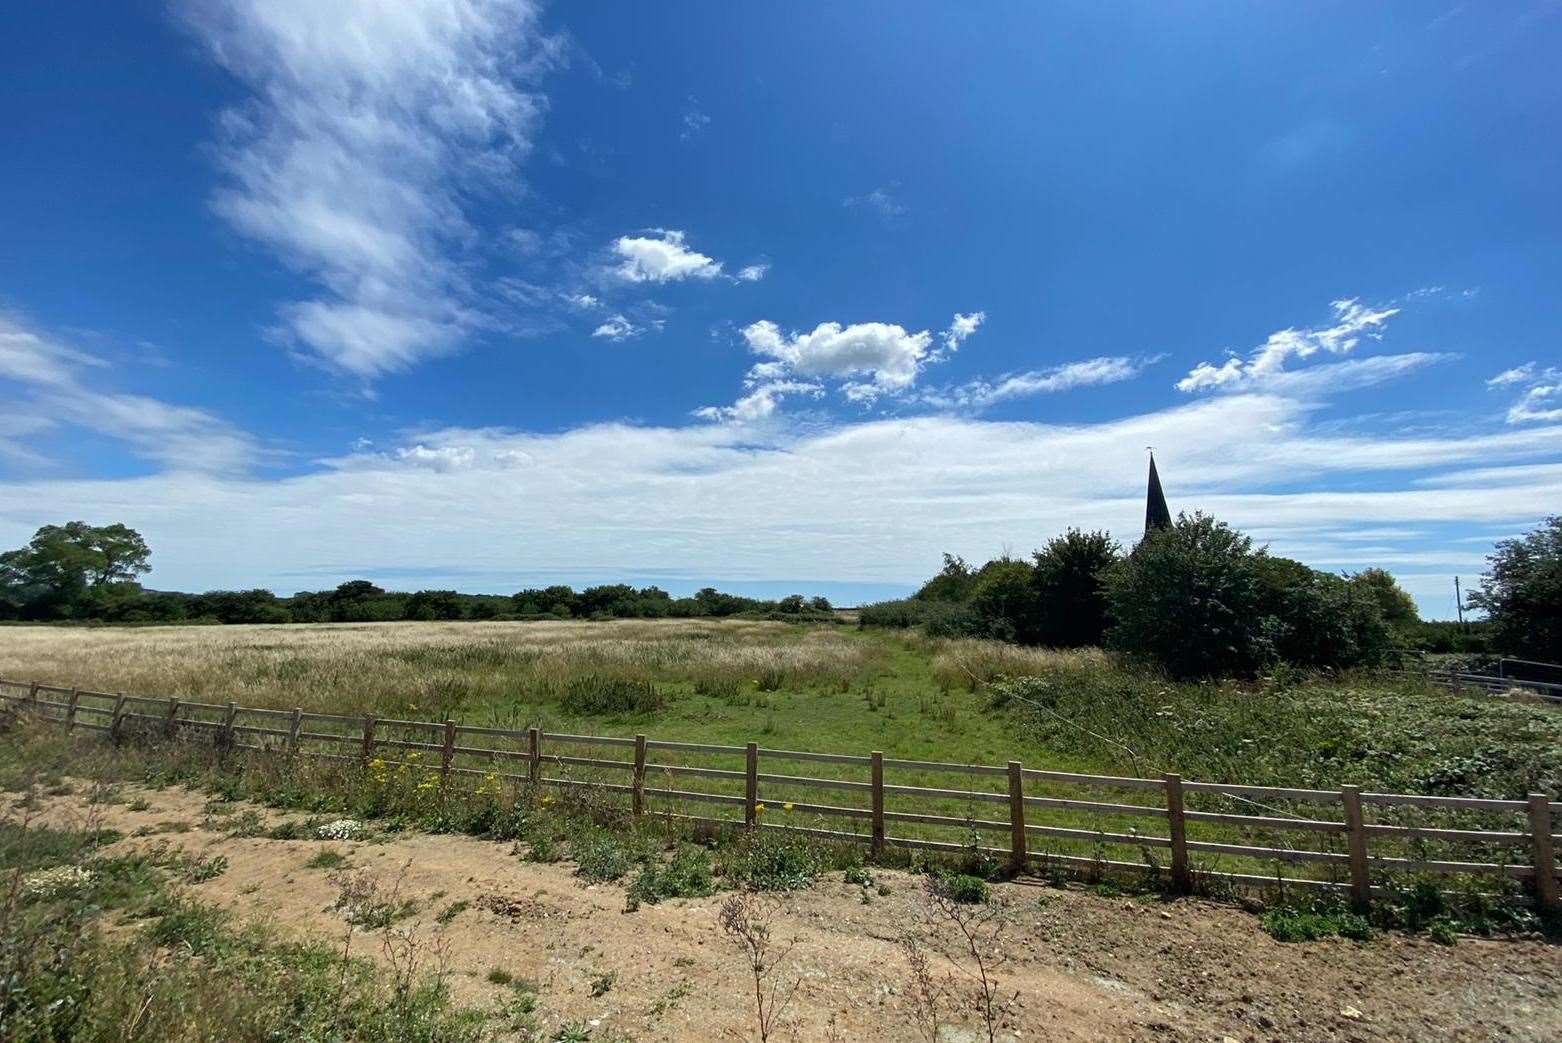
(1190, 598)
(1521, 592)
(1069, 589)
(1396, 606)
(67, 569)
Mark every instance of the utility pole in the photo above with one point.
(1459, 602)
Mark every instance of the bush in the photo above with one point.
(965, 889)
(1068, 588)
(1004, 599)
(766, 862)
(599, 693)
(1290, 924)
(688, 875)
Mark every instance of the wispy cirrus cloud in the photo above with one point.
(1541, 397)
(1352, 321)
(63, 387)
(980, 393)
(368, 128)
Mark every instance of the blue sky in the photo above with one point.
(486, 293)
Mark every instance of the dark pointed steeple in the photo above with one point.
(1156, 514)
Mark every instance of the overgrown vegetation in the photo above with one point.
(183, 971)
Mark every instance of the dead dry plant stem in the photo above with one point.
(927, 994)
(747, 919)
(980, 927)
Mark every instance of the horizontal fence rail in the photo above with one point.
(1053, 821)
(1493, 684)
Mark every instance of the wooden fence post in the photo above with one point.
(1182, 879)
(751, 786)
(534, 753)
(1356, 837)
(447, 752)
(32, 696)
(1541, 849)
(70, 710)
(116, 717)
(638, 783)
(294, 727)
(368, 737)
(1016, 818)
(877, 847)
(228, 718)
(172, 724)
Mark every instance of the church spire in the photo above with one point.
(1156, 514)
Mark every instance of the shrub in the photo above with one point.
(605, 693)
(1290, 924)
(1068, 588)
(687, 875)
(603, 855)
(1004, 599)
(965, 888)
(766, 862)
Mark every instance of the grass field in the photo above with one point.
(828, 689)
(831, 688)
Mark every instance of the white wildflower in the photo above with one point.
(341, 829)
(51, 883)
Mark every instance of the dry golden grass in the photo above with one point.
(427, 668)
(972, 664)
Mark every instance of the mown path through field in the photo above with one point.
(1083, 967)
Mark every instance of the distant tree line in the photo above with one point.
(87, 573)
(1198, 599)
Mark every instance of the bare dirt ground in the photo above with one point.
(1083, 967)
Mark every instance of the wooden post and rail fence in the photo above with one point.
(1195, 837)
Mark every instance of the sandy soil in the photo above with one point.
(1082, 967)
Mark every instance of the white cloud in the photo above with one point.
(885, 352)
(368, 127)
(874, 501)
(1541, 401)
(1352, 320)
(962, 327)
(59, 392)
(618, 328)
(888, 356)
(661, 257)
(881, 201)
(753, 272)
(584, 301)
(978, 394)
(442, 458)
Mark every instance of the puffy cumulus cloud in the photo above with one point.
(660, 257)
(1541, 399)
(961, 328)
(1352, 321)
(752, 272)
(885, 352)
(866, 360)
(367, 128)
(62, 386)
(440, 458)
(871, 501)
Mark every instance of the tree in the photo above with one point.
(953, 582)
(433, 604)
(1190, 599)
(1397, 607)
(65, 569)
(1068, 589)
(1521, 592)
(1318, 619)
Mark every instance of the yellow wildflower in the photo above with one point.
(759, 809)
(787, 806)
